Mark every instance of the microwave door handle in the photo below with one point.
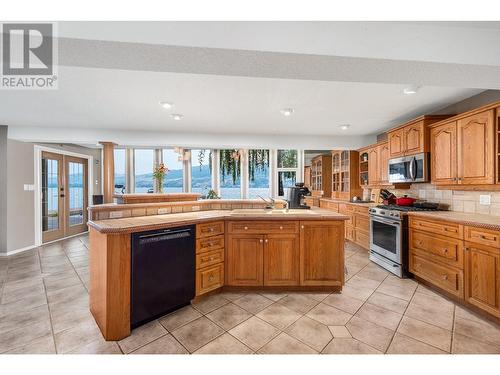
(413, 166)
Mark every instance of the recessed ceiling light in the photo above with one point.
(176, 116)
(287, 111)
(410, 90)
(167, 105)
(344, 126)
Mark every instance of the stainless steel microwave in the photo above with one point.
(413, 168)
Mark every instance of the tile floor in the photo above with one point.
(44, 309)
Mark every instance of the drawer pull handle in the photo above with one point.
(420, 243)
(211, 229)
(211, 278)
(246, 228)
(445, 277)
(446, 251)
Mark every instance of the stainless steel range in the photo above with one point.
(389, 237)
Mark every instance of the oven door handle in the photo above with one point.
(413, 168)
(380, 220)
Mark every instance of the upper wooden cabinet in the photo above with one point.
(321, 176)
(345, 170)
(375, 171)
(411, 138)
(476, 148)
(396, 143)
(463, 151)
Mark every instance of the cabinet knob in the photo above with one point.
(266, 241)
(446, 251)
(302, 227)
(281, 227)
(445, 277)
(211, 278)
(246, 228)
(261, 240)
(211, 229)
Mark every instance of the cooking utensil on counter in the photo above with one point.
(428, 205)
(405, 201)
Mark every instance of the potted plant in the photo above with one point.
(159, 174)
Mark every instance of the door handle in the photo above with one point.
(62, 195)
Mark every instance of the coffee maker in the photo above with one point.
(295, 195)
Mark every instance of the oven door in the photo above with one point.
(385, 238)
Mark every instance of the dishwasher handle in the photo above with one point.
(164, 235)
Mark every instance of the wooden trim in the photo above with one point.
(109, 264)
(467, 114)
(108, 171)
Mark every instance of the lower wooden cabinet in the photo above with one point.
(245, 259)
(209, 257)
(482, 284)
(209, 278)
(321, 253)
(281, 259)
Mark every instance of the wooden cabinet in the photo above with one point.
(209, 256)
(413, 137)
(373, 165)
(383, 166)
(396, 143)
(482, 283)
(321, 176)
(321, 253)
(463, 261)
(444, 154)
(463, 151)
(475, 149)
(345, 171)
(281, 259)
(245, 258)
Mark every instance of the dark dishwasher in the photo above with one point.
(163, 272)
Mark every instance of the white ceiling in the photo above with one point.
(331, 73)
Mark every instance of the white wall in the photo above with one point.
(3, 189)
(20, 228)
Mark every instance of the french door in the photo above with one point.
(64, 196)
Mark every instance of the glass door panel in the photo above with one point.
(52, 197)
(76, 197)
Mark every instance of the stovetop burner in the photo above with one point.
(395, 207)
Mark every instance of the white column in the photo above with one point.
(244, 173)
(186, 171)
(300, 165)
(215, 171)
(273, 173)
(129, 170)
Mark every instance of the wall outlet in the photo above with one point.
(115, 214)
(163, 211)
(485, 200)
(29, 187)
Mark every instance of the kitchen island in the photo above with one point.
(235, 249)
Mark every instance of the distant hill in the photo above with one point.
(200, 177)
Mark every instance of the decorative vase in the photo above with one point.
(159, 186)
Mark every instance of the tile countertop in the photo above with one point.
(366, 204)
(465, 218)
(143, 223)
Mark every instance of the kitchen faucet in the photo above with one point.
(271, 203)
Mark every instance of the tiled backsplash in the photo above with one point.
(456, 200)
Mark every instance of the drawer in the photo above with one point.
(447, 278)
(362, 222)
(482, 236)
(346, 208)
(263, 227)
(209, 258)
(213, 228)
(361, 210)
(209, 243)
(363, 238)
(438, 227)
(209, 278)
(434, 247)
(334, 206)
(350, 233)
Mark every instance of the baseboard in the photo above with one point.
(17, 251)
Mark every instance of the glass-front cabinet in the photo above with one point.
(321, 171)
(345, 171)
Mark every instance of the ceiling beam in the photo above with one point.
(260, 64)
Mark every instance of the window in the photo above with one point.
(120, 168)
(230, 174)
(201, 171)
(287, 170)
(143, 170)
(258, 173)
(173, 181)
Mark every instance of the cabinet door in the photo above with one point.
(444, 154)
(383, 156)
(414, 138)
(475, 149)
(482, 277)
(396, 143)
(373, 173)
(244, 260)
(281, 259)
(322, 253)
